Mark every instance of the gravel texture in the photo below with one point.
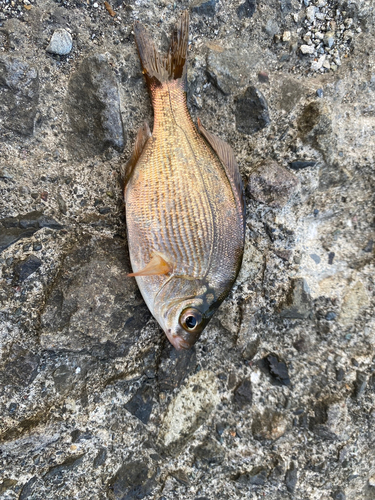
(277, 399)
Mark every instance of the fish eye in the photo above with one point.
(190, 319)
(190, 322)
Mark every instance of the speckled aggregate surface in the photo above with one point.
(277, 399)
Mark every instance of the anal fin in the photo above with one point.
(156, 267)
(142, 137)
(226, 156)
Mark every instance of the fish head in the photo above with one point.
(183, 307)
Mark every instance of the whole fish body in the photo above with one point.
(185, 210)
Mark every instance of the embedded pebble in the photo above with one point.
(310, 13)
(61, 42)
(307, 49)
(316, 65)
(329, 39)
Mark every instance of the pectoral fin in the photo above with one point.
(226, 156)
(157, 266)
(142, 137)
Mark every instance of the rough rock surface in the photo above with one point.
(277, 399)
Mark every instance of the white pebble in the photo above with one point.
(316, 65)
(329, 39)
(310, 13)
(61, 42)
(307, 49)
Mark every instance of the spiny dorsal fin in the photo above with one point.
(142, 137)
(226, 156)
(156, 267)
(158, 69)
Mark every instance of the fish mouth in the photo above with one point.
(178, 342)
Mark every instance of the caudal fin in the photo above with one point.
(159, 69)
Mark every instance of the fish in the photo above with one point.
(184, 201)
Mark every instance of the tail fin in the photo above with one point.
(156, 68)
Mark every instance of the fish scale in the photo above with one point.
(191, 212)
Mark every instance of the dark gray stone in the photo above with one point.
(272, 184)
(340, 374)
(13, 229)
(369, 246)
(277, 369)
(360, 384)
(209, 452)
(141, 403)
(243, 395)
(19, 96)
(204, 7)
(297, 303)
(251, 112)
(338, 495)
(291, 477)
(21, 367)
(330, 316)
(299, 164)
(57, 472)
(257, 476)
(93, 106)
(132, 481)
(247, 9)
(100, 458)
(27, 489)
(62, 204)
(26, 268)
(251, 348)
(285, 6)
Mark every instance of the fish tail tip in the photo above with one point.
(157, 68)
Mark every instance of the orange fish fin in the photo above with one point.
(226, 156)
(157, 266)
(142, 137)
(156, 68)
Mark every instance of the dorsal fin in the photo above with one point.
(226, 156)
(156, 267)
